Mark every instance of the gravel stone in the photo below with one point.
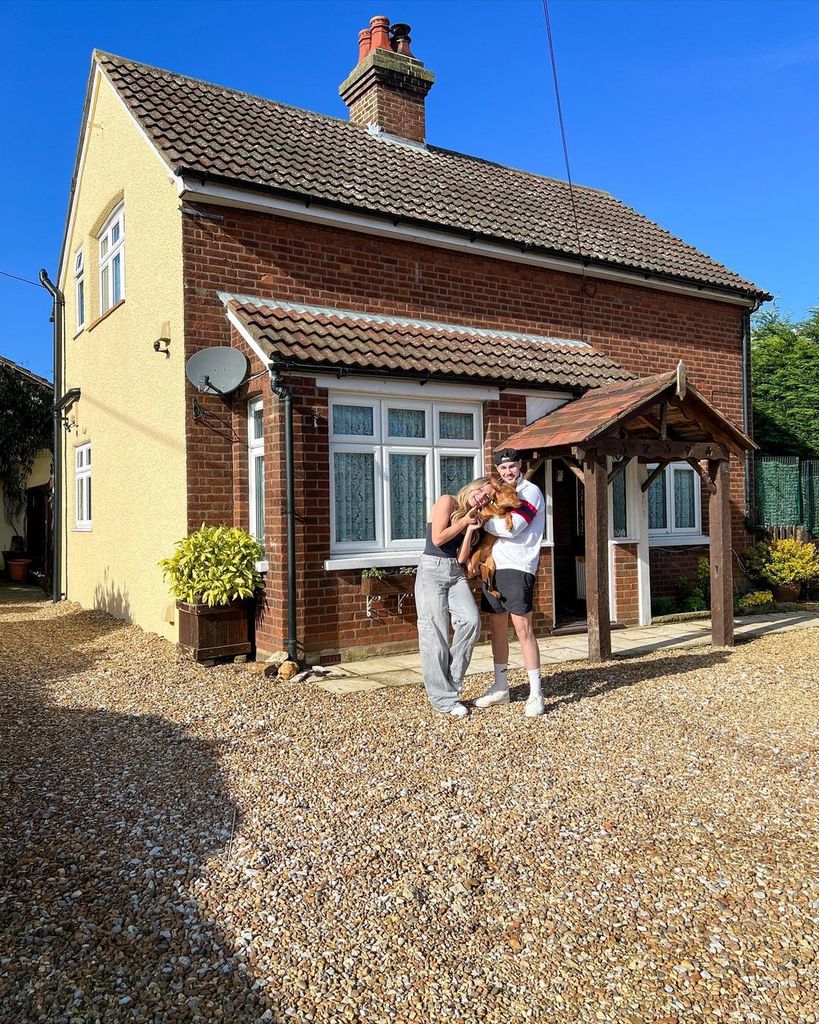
(189, 844)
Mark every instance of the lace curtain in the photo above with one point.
(354, 478)
(657, 518)
(407, 423)
(456, 426)
(408, 496)
(258, 491)
(618, 503)
(353, 420)
(456, 471)
(684, 515)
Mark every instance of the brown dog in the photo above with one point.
(504, 502)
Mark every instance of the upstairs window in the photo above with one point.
(112, 260)
(82, 487)
(79, 289)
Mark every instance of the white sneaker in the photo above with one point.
(458, 710)
(492, 697)
(535, 706)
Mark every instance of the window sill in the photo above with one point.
(381, 559)
(79, 332)
(82, 529)
(104, 316)
(624, 540)
(679, 540)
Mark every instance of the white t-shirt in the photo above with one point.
(519, 548)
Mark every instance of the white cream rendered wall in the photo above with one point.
(132, 408)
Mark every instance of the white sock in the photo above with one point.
(534, 682)
(501, 682)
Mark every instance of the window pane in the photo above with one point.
(618, 503)
(408, 496)
(657, 518)
(115, 233)
(79, 457)
(456, 426)
(80, 302)
(88, 498)
(88, 455)
(258, 497)
(104, 246)
(354, 478)
(456, 471)
(104, 301)
(79, 501)
(684, 517)
(353, 419)
(407, 423)
(116, 268)
(257, 428)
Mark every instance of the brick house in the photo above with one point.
(412, 307)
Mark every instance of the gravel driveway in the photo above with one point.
(189, 844)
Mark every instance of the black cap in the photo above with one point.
(507, 455)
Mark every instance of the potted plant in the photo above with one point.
(376, 582)
(785, 565)
(213, 576)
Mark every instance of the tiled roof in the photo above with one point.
(320, 336)
(598, 412)
(28, 374)
(210, 130)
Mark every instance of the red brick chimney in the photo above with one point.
(388, 86)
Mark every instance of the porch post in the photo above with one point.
(722, 587)
(595, 478)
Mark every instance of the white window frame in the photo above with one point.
(382, 549)
(255, 447)
(82, 487)
(112, 250)
(672, 534)
(79, 289)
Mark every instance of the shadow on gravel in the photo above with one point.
(575, 684)
(106, 821)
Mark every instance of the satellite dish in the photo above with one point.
(216, 371)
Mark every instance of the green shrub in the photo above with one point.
(703, 580)
(213, 565)
(783, 561)
(695, 602)
(756, 601)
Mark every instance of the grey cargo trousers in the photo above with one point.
(441, 593)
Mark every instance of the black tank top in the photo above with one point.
(449, 549)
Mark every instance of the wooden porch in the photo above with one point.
(658, 419)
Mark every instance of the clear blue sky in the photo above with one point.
(703, 116)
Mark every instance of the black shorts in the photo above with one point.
(517, 591)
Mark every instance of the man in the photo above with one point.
(516, 553)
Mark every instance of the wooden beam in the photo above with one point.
(597, 557)
(578, 472)
(722, 587)
(664, 421)
(707, 482)
(652, 476)
(618, 468)
(533, 468)
(646, 448)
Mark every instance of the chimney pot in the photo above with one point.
(364, 39)
(380, 34)
(400, 37)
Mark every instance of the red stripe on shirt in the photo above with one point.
(527, 511)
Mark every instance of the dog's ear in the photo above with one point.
(495, 480)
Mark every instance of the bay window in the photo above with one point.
(112, 260)
(390, 458)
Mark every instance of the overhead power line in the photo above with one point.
(25, 280)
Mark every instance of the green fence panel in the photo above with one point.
(809, 493)
(778, 490)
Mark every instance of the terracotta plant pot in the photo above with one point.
(18, 569)
(787, 592)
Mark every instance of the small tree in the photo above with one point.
(25, 430)
(785, 380)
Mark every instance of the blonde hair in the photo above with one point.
(462, 497)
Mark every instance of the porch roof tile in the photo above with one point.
(292, 334)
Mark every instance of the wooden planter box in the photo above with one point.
(219, 632)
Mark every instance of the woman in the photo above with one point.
(442, 593)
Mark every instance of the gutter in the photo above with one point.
(222, 190)
(58, 319)
(285, 395)
(747, 416)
